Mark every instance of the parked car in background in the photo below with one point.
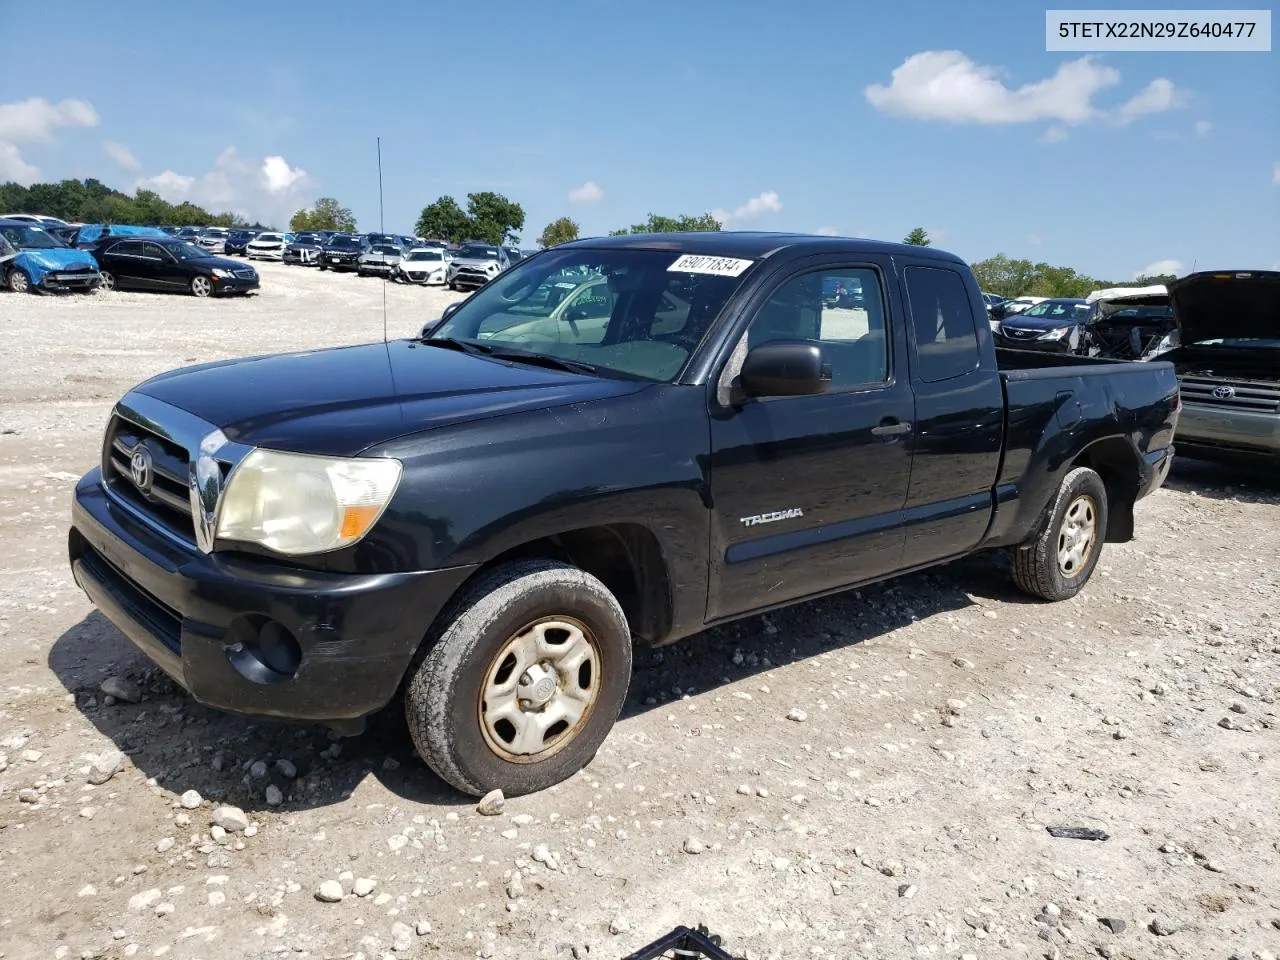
(170, 265)
(1054, 325)
(35, 218)
(990, 300)
(1007, 308)
(305, 249)
(213, 239)
(474, 265)
(342, 253)
(426, 265)
(1228, 365)
(514, 255)
(374, 239)
(237, 242)
(1130, 323)
(379, 260)
(268, 246)
(39, 261)
(189, 234)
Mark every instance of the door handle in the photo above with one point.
(891, 428)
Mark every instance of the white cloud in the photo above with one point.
(1203, 128)
(1160, 266)
(946, 85)
(1054, 134)
(753, 209)
(1156, 97)
(269, 190)
(589, 192)
(13, 167)
(278, 176)
(169, 185)
(827, 232)
(34, 120)
(121, 155)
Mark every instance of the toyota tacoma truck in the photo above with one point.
(481, 522)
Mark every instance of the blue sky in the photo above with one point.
(778, 116)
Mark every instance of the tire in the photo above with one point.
(1046, 565)
(361, 273)
(17, 281)
(491, 629)
(201, 286)
(322, 266)
(107, 281)
(453, 286)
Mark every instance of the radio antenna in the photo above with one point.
(382, 228)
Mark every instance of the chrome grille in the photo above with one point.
(167, 502)
(1252, 395)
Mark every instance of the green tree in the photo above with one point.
(1151, 280)
(657, 223)
(444, 220)
(918, 237)
(494, 218)
(91, 201)
(327, 214)
(558, 231)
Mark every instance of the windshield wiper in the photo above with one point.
(544, 360)
(464, 346)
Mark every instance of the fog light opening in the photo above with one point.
(263, 650)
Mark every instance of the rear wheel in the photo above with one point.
(107, 281)
(18, 281)
(201, 287)
(522, 681)
(1059, 558)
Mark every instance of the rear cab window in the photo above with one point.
(942, 321)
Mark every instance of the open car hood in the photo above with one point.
(1215, 305)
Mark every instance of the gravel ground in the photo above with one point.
(870, 775)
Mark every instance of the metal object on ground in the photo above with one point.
(682, 943)
(1078, 833)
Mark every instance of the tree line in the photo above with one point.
(488, 217)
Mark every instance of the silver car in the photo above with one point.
(475, 264)
(379, 260)
(214, 239)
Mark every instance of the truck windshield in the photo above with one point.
(621, 311)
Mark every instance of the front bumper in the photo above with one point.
(60, 280)
(235, 285)
(187, 611)
(421, 276)
(265, 254)
(1220, 433)
(377, 267)
(342, 263)
(1061, 345)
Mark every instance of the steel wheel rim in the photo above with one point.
(1077, 535)
(200, 286)
(522, 718)
(107, 281)
(18, 282)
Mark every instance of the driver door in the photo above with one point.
(166, 273)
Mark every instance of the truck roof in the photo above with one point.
(757, 245)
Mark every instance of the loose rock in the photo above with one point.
(401, 937)
(121, 689)
(286, 768)
(619, 925)
(1163, 927)
(190, 800)
(273, 795)
(105, 766)
(363, 886)
(798, 715)
(231, 819)
(492, 804)
(329, 892)
(693, 845)
(1114, 924)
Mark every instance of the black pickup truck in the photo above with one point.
(619, 441)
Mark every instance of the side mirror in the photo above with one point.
(784, 368)
(448, 312)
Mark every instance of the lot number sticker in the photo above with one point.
(715, 266)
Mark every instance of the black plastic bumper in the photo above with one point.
(1155, 469)
(62, 282)
(187, 610)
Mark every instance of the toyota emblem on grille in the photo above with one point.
(1224, 393)
(140, 471)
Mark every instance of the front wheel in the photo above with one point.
(106, 281)
(18, 281)
(201, 287)
(523, 681)
(1059, 558)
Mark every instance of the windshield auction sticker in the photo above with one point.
(715, 266)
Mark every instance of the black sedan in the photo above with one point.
(1052, 325)
(170, 265)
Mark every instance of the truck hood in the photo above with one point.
(1222, 305)
(343, 400)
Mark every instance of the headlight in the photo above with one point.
(1168, 342)
(299, 504)
(1056, 334)
(224, 274)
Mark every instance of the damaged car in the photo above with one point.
(1129, 323)
(41, 262)
(1227, 357)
